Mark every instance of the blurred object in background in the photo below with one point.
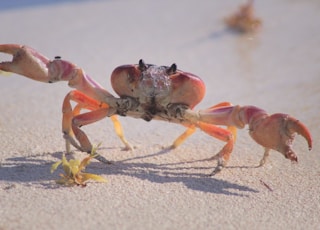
(244, 20)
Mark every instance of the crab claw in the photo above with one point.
(26, 61)
(277, 132)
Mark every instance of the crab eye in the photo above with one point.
(172, 69)
(142, 65)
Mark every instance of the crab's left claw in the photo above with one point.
(277, 132)
(26, 61)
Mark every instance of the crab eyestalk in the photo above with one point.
(172, 69)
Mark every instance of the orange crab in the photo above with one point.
(153, 92)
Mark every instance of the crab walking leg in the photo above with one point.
(70, 129)
(265, 156)
(276, 131)
(86, 119)
(28, 62)
(191, 129)
(85, 102)
(223, 135)
(119, 131)
(232, 129)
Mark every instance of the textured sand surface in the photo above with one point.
(149, 188)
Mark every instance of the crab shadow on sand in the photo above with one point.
(33, 169)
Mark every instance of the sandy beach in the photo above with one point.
(276, 69)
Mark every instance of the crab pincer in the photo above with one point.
(276, 131)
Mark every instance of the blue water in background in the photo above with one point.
(15, 4)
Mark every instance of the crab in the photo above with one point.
(152, 92)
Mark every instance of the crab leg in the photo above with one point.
(192, 128)
(78, 121)
(28, 62)
(276, 131)
(224, 135)
(72, 121)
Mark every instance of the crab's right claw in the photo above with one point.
(278, 132)
(26, 61)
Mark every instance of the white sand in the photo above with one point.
(277, 70)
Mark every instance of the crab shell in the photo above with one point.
(158, 84)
